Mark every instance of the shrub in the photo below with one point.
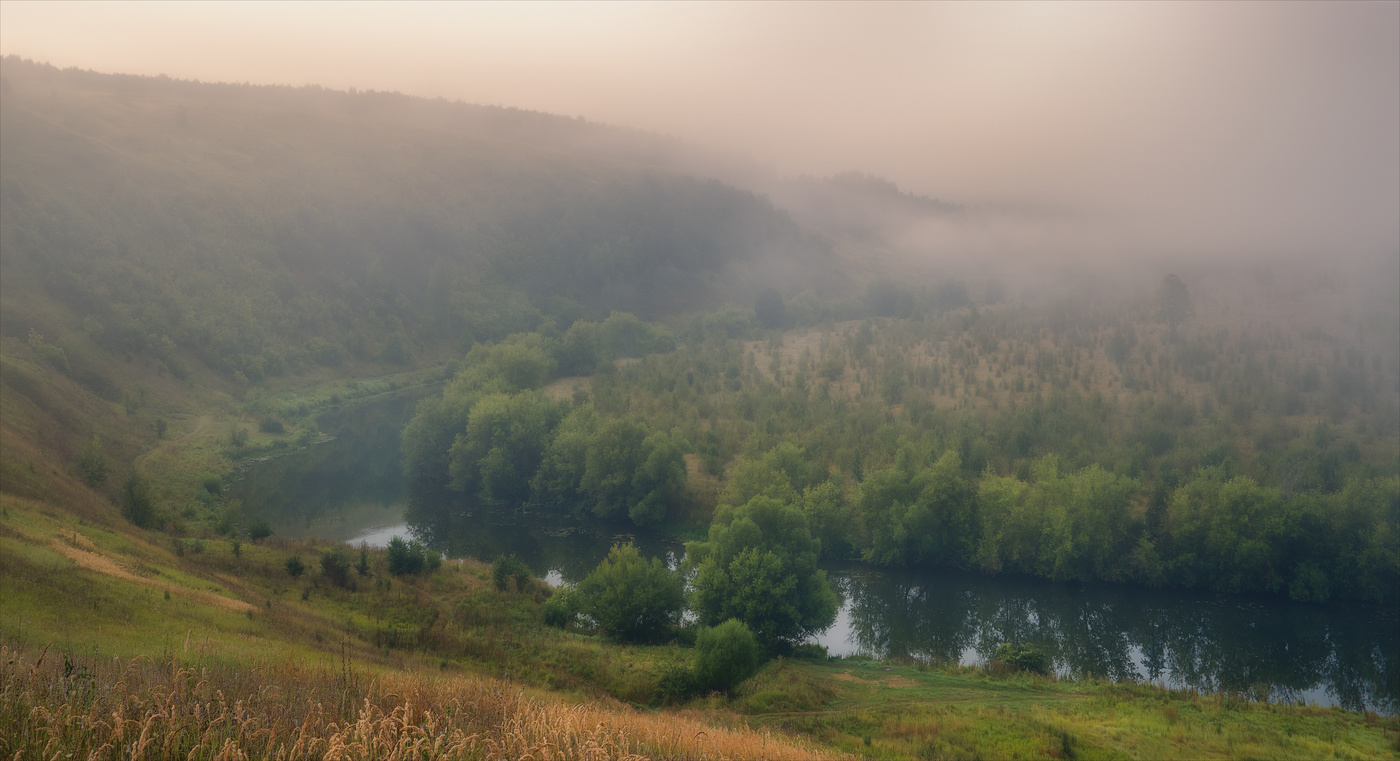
(507, 567)
(677, 684)
(410, 557)
(294, 566)
(725, 655)
(230, 518)
(362, 567)
(335, 566)
(259, 529)
(632, 599)
(1026, 657)
(92, 463)
(561, 609)
(136, 503)
(50, 353)
(272, 425)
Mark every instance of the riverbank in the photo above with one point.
(1182, 639)
(235, 620)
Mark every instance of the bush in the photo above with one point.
(725, 655)
(335, 566)
(50, 353)
(294, 566)
(561, 609)
(410, 558)
(92, 463)
(362, 567)
(1026, 657)
(136, 503)
(507, 567)
(632, 599)
(272, 425)
(230, 520)
(677, 684)
(259, 529)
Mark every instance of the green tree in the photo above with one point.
(335, 566)
(830, 518)
(558, 481)
(136, 502)
(407, 557)
(725, 655)
(919, 516)
(759, 565)
(509, 567)
(294, 566)
(612, 460)
(577, 350)
(92, 463)
(630, 598)
(259, 529)
(503, 445)
(362, 567)
(659, 481)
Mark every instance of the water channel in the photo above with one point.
(351, 489)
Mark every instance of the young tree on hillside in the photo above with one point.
(92, 463)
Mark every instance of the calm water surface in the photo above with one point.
(352, 489)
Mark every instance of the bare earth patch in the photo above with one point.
(105, 565)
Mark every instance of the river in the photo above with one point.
(351, 489)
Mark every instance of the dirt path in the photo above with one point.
(105, 565)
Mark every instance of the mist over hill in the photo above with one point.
(259, 230)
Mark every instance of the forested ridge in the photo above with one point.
(261, 231)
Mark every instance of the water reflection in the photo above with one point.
(547, 542)
(336, 488)
(1207, 642)
(1348, 655)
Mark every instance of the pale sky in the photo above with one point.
(1229, 126)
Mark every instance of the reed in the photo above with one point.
(58, 706)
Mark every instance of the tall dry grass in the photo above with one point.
(53, 706)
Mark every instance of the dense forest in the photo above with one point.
(1134, 440)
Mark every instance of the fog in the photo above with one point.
(1244, 129)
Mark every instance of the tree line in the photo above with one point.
(965, 437)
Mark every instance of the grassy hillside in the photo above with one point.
(129, 639)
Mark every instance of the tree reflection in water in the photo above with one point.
(1347, 654)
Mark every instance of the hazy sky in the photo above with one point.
(1215, 126)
